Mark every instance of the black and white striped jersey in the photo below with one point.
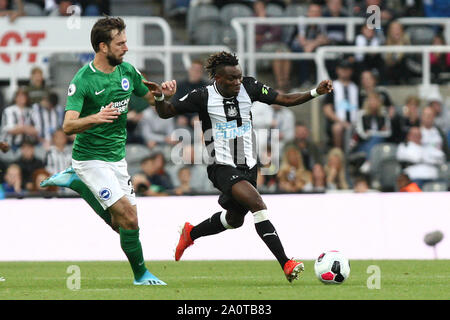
(227, 122)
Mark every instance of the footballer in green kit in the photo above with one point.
(96, 111)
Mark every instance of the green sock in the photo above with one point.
(82, 189)
(129, 241)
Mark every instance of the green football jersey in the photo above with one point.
(89, 91)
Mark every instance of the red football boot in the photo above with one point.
(185, 240)
(292, 269)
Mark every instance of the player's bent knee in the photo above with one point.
(236, 221)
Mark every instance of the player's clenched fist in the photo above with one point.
(325, 86)
(107, 114)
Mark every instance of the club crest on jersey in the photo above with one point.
(232, 111)
(125, 84)
(105, 194)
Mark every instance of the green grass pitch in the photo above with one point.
(222, 280)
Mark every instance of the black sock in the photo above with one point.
(269, 235)
(210, 226)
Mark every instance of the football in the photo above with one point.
(332, 267)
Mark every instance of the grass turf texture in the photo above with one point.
(223, 280)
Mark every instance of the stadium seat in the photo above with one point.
(387, 174)
(33, 10)
(135, 153)
(207, 33)
(274, 10)
(133, 8)
(444, 172)
(204, 12)
(435, 186)
(62, 67)
(295, 10)
(234, 10)
(381, 152)
(229, 36)
(420, 35)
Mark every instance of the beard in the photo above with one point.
(113, 61)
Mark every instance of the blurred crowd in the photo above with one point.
(360, 115)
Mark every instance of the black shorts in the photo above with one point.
(224, 177)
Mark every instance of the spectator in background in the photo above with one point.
(431, 135)
(361, 184)
(59, 156)
(38, 176)
(184, 181)
(369, 84)
(318, 181)
(269, 38)
(370, 61)
(307, 38)
(46, 120)
(4, 147)
(156, 132)
(195, 79)
(136, 106)
(400, 66)
(63, 8)
(268, 170)
(336, 34)
(28, 163)
(441, 112)
(402, 122)
(436, 8)
(341, 106)
(6, 9)
(93, 8)
(283, 120)
(404, 184)
(12, 186)
(439, 61)
(2, 104)
(18, 122)
(292, 176)
(373, 125)
(420, 161)
(309, 150)
(37, 89)
(335, 170)
(153, 167)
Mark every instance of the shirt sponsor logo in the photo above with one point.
(230, 130)
(125, 84)
(122, 106)
(105, 194)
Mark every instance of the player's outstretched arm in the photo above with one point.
(293, 99)
(167, 89)
(74, 124)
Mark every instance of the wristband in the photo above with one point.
(314, 93)
(161, 98)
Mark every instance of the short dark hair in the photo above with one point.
(101, 31)
(219, 60)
